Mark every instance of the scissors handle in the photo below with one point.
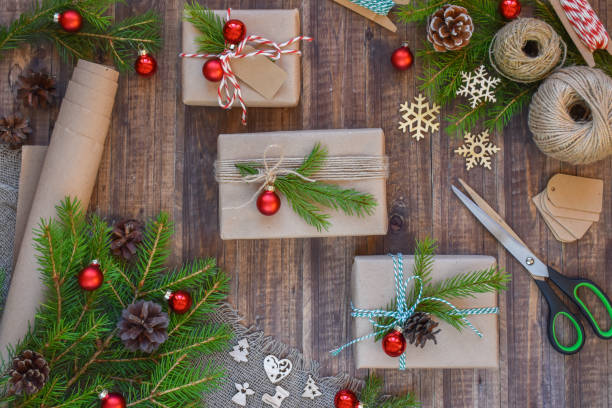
(557, 309)
(570, 287)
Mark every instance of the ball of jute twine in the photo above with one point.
(570, 115)
(526, 50)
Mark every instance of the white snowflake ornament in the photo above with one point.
(241, 351)
(478, 86)
(243, 392)
(419, 118)
(477, 149)
(311, 390)
(277, 399)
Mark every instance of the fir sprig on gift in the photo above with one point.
(459, 286)
(77, 334)
(211, 40)
(307, 197)
(99, 35)
(442, 70)
(372, 396)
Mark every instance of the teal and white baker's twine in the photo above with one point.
(381, 7)
(402, 313)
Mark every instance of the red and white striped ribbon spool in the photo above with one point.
(229, 89)
(586, 23)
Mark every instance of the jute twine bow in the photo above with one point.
(381, 7)
(403, 312)
(557, 128)
(266, 176)
(229, 89)
(510, 56)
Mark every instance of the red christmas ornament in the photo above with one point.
(111, 400)
(346, 399)
(212, 70)
(394, 343)
(268, 202)
(510, 9)
(145, 64)
(179, 301)
(402, 58)
(91, 277)
(70, 20)
(234, 31)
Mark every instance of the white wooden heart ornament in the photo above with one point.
(277, 369)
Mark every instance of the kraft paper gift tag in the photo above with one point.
(575, 193)
(560, 233)
(70, 168)
(248, 223)
(373, 287)
(275, 25)
(260, 73)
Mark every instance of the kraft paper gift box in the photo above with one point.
(373, 287)
(275, 25)
(248, 223)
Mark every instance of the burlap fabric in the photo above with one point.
(10, 165)
(253, 371)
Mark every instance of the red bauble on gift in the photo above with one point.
(402, 58)
(346, 399)
(394, 343)
(111, 400)
(91, 277)
(510, 9)
(179, 301)
(70, 20)
(212, 70)
(268, 202)
(234, 31)
(145, 64)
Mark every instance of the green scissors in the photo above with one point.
(543, 275)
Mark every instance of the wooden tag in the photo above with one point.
(260, 73)
(567, 213)
(577, 228)
(560, 233)
(575, 193)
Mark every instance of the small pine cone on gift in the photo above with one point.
(29, 373)
(37, 89)
(14, 130)
(143, 326)
(450, 28)
(126, 235)
(420, 328)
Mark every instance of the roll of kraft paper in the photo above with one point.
(70, 169)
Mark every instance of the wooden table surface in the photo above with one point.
(160, 155)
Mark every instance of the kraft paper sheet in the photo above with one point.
(70, 169)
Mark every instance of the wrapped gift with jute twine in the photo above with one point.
(305, 184)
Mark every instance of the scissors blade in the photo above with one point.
(519, 251)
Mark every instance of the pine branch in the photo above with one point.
(209, 24)
(121, 40)
(372, 396)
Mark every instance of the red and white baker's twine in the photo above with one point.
(225, 94)
(586, 23)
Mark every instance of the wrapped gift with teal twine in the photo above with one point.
(410, 316)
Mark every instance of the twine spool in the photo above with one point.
(570, 115)
(526, 50)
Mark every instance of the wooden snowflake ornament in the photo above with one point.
(419, 118)
(478, 86)
(477, 150)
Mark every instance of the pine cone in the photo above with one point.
(126, 235)
(14, 130)
(37, 89)
(420, 328)
(29, 373)
(143, 326)
(450, 28)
